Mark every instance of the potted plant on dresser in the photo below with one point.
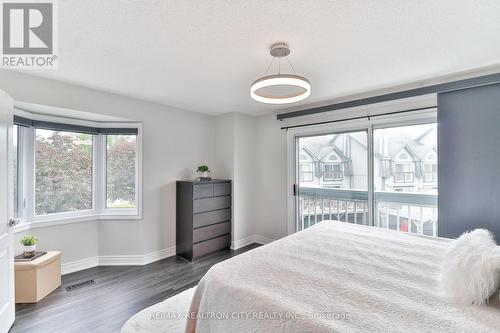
(29, 245)
(203, 173)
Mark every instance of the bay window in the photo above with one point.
(63, 171)
(120, 171)
(76, 171)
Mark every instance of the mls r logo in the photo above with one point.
(27, 28)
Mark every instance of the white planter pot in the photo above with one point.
(29, 250)
(204, 175)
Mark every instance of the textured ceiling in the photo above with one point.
(202, 55)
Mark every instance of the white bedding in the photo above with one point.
(335, 277)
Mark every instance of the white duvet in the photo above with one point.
(335, 277)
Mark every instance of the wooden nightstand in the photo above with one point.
(38, 278)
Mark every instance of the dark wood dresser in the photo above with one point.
(203, 223)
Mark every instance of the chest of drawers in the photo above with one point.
(203, 222)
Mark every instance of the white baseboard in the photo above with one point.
(139, 260)
(79, 265)
(262, 240)
(238, 244)
(158, 255)
(119, 260)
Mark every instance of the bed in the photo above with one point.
(335, 277)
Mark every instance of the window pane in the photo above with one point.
(306, 172)
(63, 167)
(16, 172)
(406, 194)
(328, 172)
(120, 171)
(333, 172)
(334, 190)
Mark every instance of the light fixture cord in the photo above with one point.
(290, 63)
(268, 67)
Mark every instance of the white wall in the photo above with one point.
(78, 240)
(235, 155)
(175, 142)
(270, 179)
(224, 147)
(224, 154)
(245, 176)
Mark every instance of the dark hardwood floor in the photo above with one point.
(119, 292)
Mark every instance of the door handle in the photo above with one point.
(13, 222)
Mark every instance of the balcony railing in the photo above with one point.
(409, 212)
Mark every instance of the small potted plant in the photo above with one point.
(29, 245)
(203, 172)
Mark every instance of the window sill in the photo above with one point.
(55, 221)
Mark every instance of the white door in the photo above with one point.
(7, 299)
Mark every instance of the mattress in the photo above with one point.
(335, 277)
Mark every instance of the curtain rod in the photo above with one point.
(359, 117)
(56, 126)
(432, 89)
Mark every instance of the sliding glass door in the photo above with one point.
(405, 178)
(333, 178)
(383, 175)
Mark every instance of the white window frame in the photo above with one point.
(408, 176)
(340, 173)
(306, 172)
(26, 190)
(367, 124)
(111, 213)
(17, 209)
(432, 173)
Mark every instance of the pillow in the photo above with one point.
(470, 273)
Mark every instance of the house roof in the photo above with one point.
(320, 147)
(415, 148)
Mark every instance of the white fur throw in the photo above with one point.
(471, 268)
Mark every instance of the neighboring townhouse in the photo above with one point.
(340, 162)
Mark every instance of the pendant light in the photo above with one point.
(280, 88)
